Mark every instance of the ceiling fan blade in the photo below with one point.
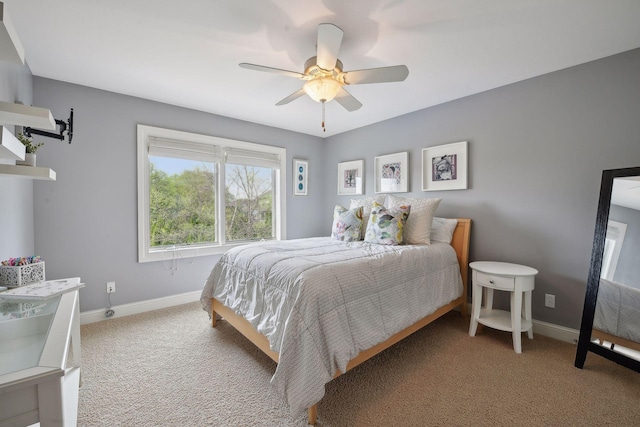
(271, 70)
(347, 100)
(329, 40)
(396, 73)
(292, 97)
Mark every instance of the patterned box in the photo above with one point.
(19, 310)
(21, 275)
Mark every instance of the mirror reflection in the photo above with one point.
(617, 316)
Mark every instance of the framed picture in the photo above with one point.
(350, 177)
(392, 173)
(445, 167)
(300, 175)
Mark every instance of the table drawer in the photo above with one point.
(496, 282)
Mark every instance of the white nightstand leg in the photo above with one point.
(476, 300)
(516, 319)
(488, 300)
(527, 312)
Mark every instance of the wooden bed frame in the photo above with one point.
(460, 243)
(614, 340)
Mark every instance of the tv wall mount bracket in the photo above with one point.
(63, 126)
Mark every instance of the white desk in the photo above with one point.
(517, 279)
(37, 384)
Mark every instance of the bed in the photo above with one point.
(617, 315)
(319, 307)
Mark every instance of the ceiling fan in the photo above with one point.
(324, 76)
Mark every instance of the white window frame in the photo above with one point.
(145, 133)
(612, 248)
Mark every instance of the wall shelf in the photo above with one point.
(11, 48)
(30, 172)
(25, 115)
(10, 147)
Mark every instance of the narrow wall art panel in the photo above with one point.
(300, 177)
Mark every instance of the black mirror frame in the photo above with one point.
(593, 282)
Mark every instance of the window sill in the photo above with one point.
(169, 254)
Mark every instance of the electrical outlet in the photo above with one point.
(111, 287)
(549, 300)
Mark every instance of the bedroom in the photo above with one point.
(537, 148)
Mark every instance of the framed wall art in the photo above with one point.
(392, 173)
(300, 175)
(444, 167)
(350, 177)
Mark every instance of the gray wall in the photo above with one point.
(16, 194)
(536, 152)
(627, 268)
(537, 149)
(86, 221)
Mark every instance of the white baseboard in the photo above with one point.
(550, 330)
(555, 331)
(139, 307)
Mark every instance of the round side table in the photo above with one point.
(519, 280)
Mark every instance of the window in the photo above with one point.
(612, 248)
(198, 194)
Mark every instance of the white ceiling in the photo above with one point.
(187, 52)
(626, 192)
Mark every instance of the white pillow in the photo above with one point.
(366, 203)
(418, 228)
(442, 229)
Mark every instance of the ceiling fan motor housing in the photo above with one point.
(311, 68)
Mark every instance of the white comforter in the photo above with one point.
(320, 301)
(618, 310)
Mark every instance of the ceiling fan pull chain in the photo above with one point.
(323, 128)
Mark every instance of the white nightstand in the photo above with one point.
(514, 278)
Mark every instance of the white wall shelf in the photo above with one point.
(30, 172)
(11, 48)
(25, 115)
(10, 147)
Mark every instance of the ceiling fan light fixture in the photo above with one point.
(322, 89)
(324, 75)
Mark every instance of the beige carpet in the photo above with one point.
(171, 368)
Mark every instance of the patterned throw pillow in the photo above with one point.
(418, 229)
(386, 226)
(366, 203)
(347, 224)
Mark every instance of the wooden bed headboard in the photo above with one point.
(460, 243)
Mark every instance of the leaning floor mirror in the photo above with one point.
(611, 315)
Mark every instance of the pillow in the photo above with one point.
(366, 203)
(418, 230)
(347, 224)
(386, 226)
(442, 229)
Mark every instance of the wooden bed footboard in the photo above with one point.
(460, 243)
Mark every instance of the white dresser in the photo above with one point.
(37, 382)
